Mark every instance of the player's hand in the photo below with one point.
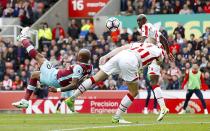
(52, 89)
(103, 60)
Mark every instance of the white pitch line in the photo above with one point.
(130, 125)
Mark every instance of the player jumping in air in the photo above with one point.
(126, 61)
(68, 78)
(147, 30)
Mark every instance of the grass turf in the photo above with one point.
(98, 122)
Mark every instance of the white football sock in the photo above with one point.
(159, 97)
(125, 103)
(87, 84)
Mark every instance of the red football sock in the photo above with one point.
(30, 88)
(28, 94)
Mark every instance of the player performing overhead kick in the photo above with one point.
(68, 78)
(126, 61)
(147, 30)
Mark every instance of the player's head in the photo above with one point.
(141, 20)
(84, 55)
(195, 67)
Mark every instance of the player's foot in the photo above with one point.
(25, 34)
(163, 112)
(21, 104)
(206, 112)
(182, 112)
(120, 120)
(70, 103)
(155, 111)
(145, 110)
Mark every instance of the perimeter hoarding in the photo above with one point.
(99, 102)
(109, 106)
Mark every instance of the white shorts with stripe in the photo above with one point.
(153, 69)
(125, 63)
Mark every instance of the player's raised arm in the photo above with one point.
(77, 78)
(105, 58)
(165, 44)
(72, 86)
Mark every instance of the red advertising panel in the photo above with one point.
(85, 8)
(100, 102)
(109, 106)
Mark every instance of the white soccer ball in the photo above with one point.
(112, 24)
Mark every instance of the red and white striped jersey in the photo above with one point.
(146, 54)
(149, 30)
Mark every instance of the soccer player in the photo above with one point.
(147, 30)
(68, 78)
(195, 81)
(125, 60)
(149, 91)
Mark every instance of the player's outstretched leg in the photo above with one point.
(188, 96)
(158, 94)
(86, 85)
(200, 96)
(147, 101)
(161, 102)
(23, 103)
(125, 103)
(24, 38)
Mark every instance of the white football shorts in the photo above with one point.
(153, 69)
(125, 63)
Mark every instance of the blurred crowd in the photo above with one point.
(27, 10)
(133, 7)
(61, 48)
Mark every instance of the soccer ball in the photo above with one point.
(112, 24)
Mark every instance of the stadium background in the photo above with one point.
(81, 24)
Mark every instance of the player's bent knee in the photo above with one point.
(133, 88)
(134, 94)
(154, 79)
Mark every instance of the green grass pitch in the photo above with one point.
(98, 122)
